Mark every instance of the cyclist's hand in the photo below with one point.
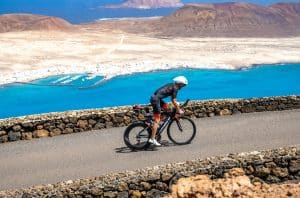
(181, 111)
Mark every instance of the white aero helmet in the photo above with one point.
(180, 80)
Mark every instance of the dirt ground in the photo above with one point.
(116, 50)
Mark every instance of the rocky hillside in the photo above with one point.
(22, 22)
(234, 184)
(147, 4)
(232, 19)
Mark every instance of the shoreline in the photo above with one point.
(109, 71)
(31, 55)
(122, 19)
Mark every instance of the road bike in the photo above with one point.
(180, 129)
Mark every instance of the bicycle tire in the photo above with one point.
(130, 128)
(175, 121)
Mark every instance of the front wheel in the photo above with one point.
(136, 135)
(181, 130)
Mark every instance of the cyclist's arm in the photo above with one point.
(174, 101)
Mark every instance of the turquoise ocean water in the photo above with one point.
(78, 91)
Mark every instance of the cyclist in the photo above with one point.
(158, 104)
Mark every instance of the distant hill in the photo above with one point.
(22, 22)
(147, 4)
(219, 20)
(232, 19)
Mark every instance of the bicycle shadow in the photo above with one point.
(164, 143)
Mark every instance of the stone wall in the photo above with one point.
(271, 166)
(53, 124)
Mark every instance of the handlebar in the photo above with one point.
(181, 106)
(185, 103)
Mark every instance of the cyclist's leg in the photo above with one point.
(156, 114)
(164, 108)
(164, 105)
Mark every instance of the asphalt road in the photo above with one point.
(82, 155)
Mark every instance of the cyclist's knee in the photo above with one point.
(156, 119)
(156, 116)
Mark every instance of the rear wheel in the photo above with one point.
(181, 130)
(136, 135)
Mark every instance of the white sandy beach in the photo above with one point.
(28, 55)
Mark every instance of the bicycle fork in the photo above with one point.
(178, 123)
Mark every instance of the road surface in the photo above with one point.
(87, 154)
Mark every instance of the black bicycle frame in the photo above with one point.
(164, 125)
(166, 122)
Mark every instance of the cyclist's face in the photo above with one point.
(181, 86)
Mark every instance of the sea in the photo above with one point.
(78, 11)
(87, 91)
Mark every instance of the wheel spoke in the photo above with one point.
(137, 135)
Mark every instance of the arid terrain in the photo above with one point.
(34, 46)
(220, 20)
(223, 36)
(24, 22)
(110, 53)
(235, 184)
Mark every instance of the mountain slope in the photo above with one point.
(232, 19)
(22, 22)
